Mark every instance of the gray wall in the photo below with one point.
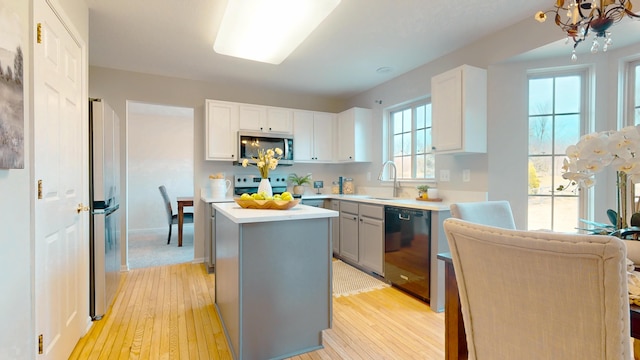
(16, 312)
(160, 152)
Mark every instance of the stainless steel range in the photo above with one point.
(249, 183)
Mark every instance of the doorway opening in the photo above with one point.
(159, 152)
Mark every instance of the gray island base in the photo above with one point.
(273, 289)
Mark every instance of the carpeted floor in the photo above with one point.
(149, 248)
(348, 280)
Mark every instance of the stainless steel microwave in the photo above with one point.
(249, 142)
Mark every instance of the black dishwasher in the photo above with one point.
(407, 244)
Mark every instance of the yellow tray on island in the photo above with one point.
(267, 204)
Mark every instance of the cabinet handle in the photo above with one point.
(269, 129)
(433, 148)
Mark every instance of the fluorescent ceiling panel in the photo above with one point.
(269, 30)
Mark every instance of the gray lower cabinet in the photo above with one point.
(348, 235)
(210, 242)
(334, 205)
(362, 235)
(371, 238)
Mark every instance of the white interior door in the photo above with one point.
(61, 233)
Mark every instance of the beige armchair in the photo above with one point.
(540, 295)
(494, 213)
(498, 213)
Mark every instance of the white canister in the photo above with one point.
(219, 188)
(432, 193)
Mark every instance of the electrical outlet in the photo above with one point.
(466, 175)
(445, 175)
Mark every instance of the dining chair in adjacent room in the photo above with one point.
(540, 294)
(493, 213)
(171, 217)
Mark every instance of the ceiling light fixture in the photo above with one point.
(269, 30)
(585, 15)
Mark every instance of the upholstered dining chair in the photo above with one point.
(540, 294)
(171, 217)
(493, 213)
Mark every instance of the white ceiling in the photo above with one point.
(175, 38)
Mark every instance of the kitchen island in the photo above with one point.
(273, 286)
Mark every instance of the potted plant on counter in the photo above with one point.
(422, 191)
(298, 182)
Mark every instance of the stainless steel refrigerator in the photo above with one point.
(104, 190)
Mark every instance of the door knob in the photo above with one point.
(81, 208)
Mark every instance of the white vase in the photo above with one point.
(265, 186)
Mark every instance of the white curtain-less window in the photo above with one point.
(633, 77)
(410, 139)
(556, 120)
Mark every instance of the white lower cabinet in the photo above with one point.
(362, 235)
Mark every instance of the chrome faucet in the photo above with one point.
(395, 175)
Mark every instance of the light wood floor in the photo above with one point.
(168, 313)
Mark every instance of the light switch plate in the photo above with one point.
(466, 175)
(445, 175)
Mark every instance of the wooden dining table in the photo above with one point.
(455, 340)
(182, 202)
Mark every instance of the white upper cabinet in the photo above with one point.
(279, 120)
(323, 135)
(354, 135)
(265, 118)
(221, 130)
(459, 110)
(313, 134)
(252, 117)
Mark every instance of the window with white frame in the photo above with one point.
(633, 77)
(633, 104)
(556, 120)
(410, 140)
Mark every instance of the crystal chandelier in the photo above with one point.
(584, 15)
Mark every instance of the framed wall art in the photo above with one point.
(12, 26)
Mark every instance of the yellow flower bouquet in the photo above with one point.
(267, 160)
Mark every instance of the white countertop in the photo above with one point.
(299, 212)
(209, 199)
(402, 202)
